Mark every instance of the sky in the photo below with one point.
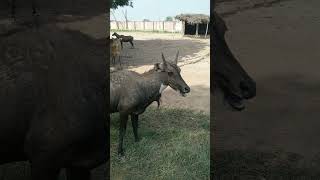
(159, 9)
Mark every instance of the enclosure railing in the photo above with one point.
(153, 26)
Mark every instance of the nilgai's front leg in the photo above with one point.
(78, 174)
(131, 44)
(113, 60)
(122, 130)
(134, 120)
(120, 62)
(121, 44)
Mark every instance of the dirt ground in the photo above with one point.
(194, 60)
(279, 48)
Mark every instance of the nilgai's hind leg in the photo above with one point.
(120, 62)
(134, 120)
(78, 174)
(131, 42)
(122, 130)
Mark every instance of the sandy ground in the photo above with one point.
(194, 60)
(279, 48)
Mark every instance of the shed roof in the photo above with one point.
(193, 18)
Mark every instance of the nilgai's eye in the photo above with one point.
(170, 73)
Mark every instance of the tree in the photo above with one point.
(146, 20)
(169, 18)
(116, 3)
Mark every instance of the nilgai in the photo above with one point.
(228, 74)
(115, 50)
(33, 5)
(53, 107)
(124, 39)
(131, 93)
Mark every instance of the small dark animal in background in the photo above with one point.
(124, 39)
(13, 7)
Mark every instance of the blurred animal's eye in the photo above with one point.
(170, 73)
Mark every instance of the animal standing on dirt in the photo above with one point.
(228, 74)
(33, 4)
(53, 102)
(115, 50)
(124, 39)
(131, 93)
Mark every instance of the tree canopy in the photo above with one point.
(169, 18)
(116, 3)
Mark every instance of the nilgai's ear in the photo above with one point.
(159, 67)
(176, 59)
(164, 61)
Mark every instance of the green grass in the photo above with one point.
(174, 145)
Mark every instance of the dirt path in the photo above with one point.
(279, 47)
(194, 59)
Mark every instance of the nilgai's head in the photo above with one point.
(172, 75)
(229, 75)
(114, 34)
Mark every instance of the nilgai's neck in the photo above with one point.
(117, 35)
(152, 83)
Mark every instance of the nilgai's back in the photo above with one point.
(121, 83)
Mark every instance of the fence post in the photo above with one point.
(134, 25)
(173, 25)
(183, 30)
(152, 26)
(207, 29)
(144, 25)
(163, 26)
(197, 29)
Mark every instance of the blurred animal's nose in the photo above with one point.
(248, 89)
(186, 89)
